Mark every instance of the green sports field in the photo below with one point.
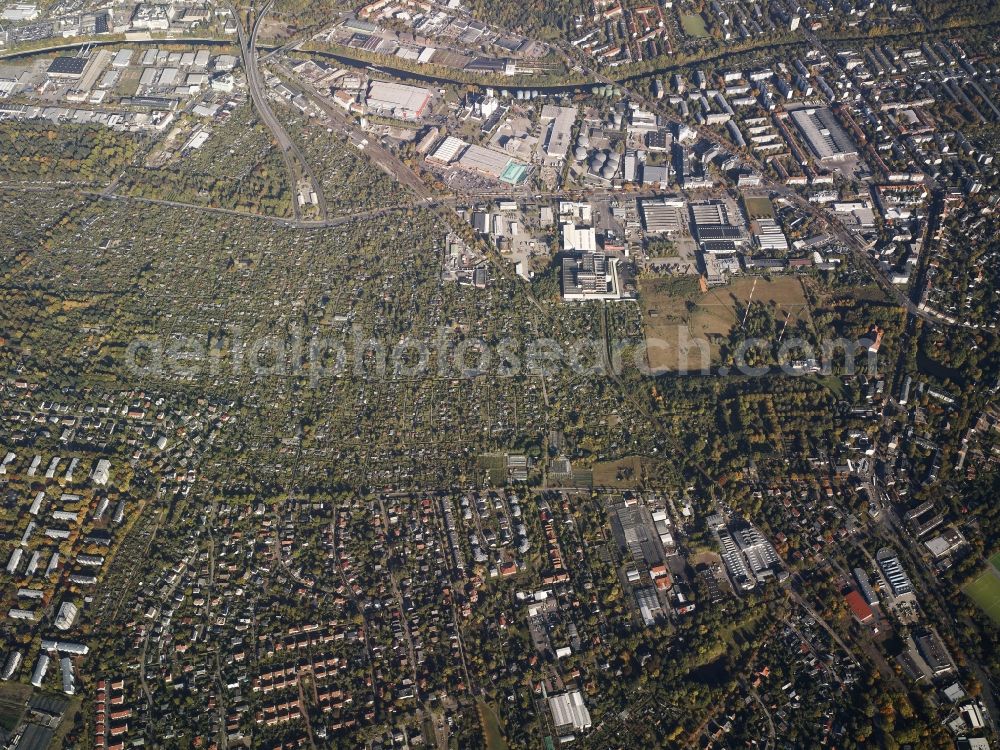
(694, 25)
(985, 592)
(995, 561)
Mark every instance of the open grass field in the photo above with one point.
(758, 206)
(491, 728)
(985, 592)
(129, 83)
(694, 25)
(995, 561)
(13, 696)
(75, 704)
(495, 467)
(624, 473)
(676, 313)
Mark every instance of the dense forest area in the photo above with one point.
(541, 18)
(350, 182)
(33, 150)
(265, 190)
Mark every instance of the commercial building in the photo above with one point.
(514, 173)
(945, 543)
(897, 579)
(397, 100)
(859, 607)
(826, 138)
(856, 214)
(580, 239)
(484, 160)
(768, 236)
(560, 125)
(735, 562)
(758, 552)
(448, 150)
(589, 276)
(663, 215)
(569, 712)
(67, 68)
(151, 16)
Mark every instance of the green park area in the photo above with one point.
(491, 728)
(758, 207)
(985, 592)
(693, 25)
(676, 311)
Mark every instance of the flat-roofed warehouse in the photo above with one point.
(709, 212)
(560, 121)
(397, 99)
(123, 58)
(721, 238)
(634, 531)
(663, 215)
(826, 138)
(569, 710)
(726, 232)
(485, 160)
(892, 569)
(589, 276)
(448, 150)
(67, 67)
(769, 235)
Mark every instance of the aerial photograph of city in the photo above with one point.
(500, 374)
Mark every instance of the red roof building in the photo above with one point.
(859, 607)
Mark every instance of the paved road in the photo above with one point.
(388, 161)
(160, 40)
(295, 161)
